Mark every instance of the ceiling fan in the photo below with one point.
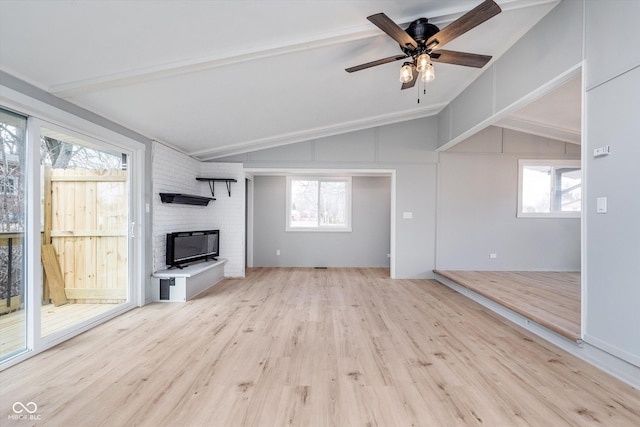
(421, 42)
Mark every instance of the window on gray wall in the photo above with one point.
(549, 188)
(318, 203)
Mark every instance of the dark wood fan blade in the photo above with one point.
(383, 22)
(413, 81)
(374, 63)
(469, 20)
(460, 58)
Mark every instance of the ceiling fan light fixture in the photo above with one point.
(429, 73)
(406, 73)
(422, 62)
(420, 38)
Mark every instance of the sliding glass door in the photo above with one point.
(13, 313)
(84, 222)
(71, 202)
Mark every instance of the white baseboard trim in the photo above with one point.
(595, 356)
(619, 353)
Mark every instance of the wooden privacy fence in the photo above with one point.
(85, 219)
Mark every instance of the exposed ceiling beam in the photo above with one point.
(365, 31)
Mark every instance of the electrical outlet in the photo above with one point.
(493, 256)
(278, 252)
(601, 151)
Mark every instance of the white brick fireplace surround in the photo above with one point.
(174, 172)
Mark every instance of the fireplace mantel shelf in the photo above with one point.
(185, 199)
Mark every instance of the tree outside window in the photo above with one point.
(318, 204)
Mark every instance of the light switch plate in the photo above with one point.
(601, 205)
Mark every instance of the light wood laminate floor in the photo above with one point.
(53, 319)
(549, 298)
(305, 347)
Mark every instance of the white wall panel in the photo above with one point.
(488, 140)
(408, 149)
(348, 147)
(474, 105)
(613, 239)
(294, 153)
(413, 141)
(550, 48)
(519, 142)
(611, 38)
(477, 211)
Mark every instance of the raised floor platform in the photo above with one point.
(551, 299)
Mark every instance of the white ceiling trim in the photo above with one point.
(365, 31)
(314, 133)
(540, 129)
(199, 64)
(251, 172)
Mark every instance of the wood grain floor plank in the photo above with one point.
(305, 347)
(551, 299)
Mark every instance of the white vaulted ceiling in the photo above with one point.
(215, 78)
(557, 114)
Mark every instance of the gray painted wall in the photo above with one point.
(408, 148)
(612, 294)
(611, 247)
(366, 246)
(478, 187)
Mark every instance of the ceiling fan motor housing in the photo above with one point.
(420, 30)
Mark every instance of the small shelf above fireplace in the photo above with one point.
(211, 182)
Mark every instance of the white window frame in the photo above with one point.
(319, 228)
(554, 164)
